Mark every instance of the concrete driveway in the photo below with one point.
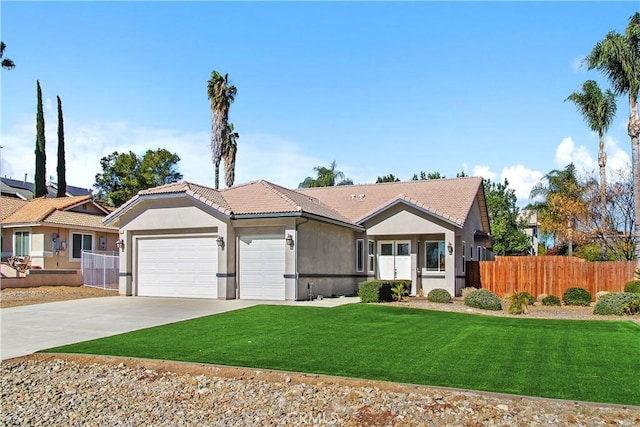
(30, 328)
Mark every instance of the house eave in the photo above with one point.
(406, 203)
(299, 214)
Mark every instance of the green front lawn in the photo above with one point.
(567, 359)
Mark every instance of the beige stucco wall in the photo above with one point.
(466, 235)
(327, 259)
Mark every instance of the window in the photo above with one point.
(80, 242)
(402, 249)
(360, 255)
(471, 252)
(372, 255)
(464, 257)
(21, 243)
(386, 249)
(435, 254)
(479, 253)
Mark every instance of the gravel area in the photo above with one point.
(14, 297)
(41, 390)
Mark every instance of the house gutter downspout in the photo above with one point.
(297, 296)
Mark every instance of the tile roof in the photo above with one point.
(25, 189)
(450, 199)
(49, 210)
(9, 205)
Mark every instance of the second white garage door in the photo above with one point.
(178, 267)
(262, 267)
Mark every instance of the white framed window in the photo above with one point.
(372, 256)
(464, 256)
(435, 255)
(80, 242)
(360, 255)
(21, 243)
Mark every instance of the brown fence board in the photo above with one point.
(553, 275)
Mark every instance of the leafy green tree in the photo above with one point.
(124, 174)
(507, 226)
(598, 109)
(229, 151)
(387, 178)
(326, 177)
(62, 172)
(221, 93)
(6, 62)
(40, 188)
(562, 208)
(617, 56)
(425, 176)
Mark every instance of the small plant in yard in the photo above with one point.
(632, 286)
(420, 292)
(577, 296)
(467, 290)
(483, 299)
(399, 291)
(530, 298)
(518, 303)
(551, 300)
(439, 295)
(618, 303)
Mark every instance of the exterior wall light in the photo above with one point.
(220, 242)
(120, 245)
(289, 241)
(450, 248)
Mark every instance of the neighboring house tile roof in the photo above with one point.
(450, 199)
(49, 210)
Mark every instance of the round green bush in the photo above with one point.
(530, 298)
(551, 300)
(618, 303)
(439, 295)
(577, 296)
(484, 299)
(632, 287)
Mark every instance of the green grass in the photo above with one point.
(578, 360)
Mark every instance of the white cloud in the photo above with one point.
(521, 179)
(259, 156)
(617, 158)
(567, 152)
(483, 171)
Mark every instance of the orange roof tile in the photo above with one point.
(9, 205)
(37, 210)
(77, 219)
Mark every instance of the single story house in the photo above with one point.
(53, 232)
(262, 241)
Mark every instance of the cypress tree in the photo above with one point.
(40, 186)
(62, 180)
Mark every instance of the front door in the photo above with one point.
(394, 259)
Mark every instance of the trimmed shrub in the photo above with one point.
(518, 303)
(467, 290)
(378, 290)
(439, 295)
(483, 299)
(577, 296)
(551, 300)
(618, 303)
(632, 287)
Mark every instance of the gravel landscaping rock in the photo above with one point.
(14, 297)
(41, 390)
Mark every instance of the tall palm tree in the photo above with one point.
(562, 206)
(617, 56)
(229, 150)
(6, 62)
(598, 110)
(326, 177)
(221, 94)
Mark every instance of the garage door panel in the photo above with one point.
(177, 267)
(262, 267)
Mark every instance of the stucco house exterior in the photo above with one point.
(54, 231)
(263, 241)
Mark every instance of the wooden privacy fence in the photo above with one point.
(553, 275)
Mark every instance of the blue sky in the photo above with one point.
(379, 87)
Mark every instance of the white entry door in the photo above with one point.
(394, 259)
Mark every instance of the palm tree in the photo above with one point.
(6, 62)
(617, 56)
(221, 94)
(326, 177)
(229, 150)
(562, 206)
(598, 110)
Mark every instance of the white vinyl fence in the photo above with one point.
(100, 269)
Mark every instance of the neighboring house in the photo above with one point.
(531, 230)
(263, 241)
(24, 190)
(54, 231)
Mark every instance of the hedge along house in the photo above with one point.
(53, 232)
(263, 241)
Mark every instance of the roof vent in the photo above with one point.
(353, 196)
(361, 197)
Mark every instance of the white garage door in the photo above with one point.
(262, 267)
(178, 267)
